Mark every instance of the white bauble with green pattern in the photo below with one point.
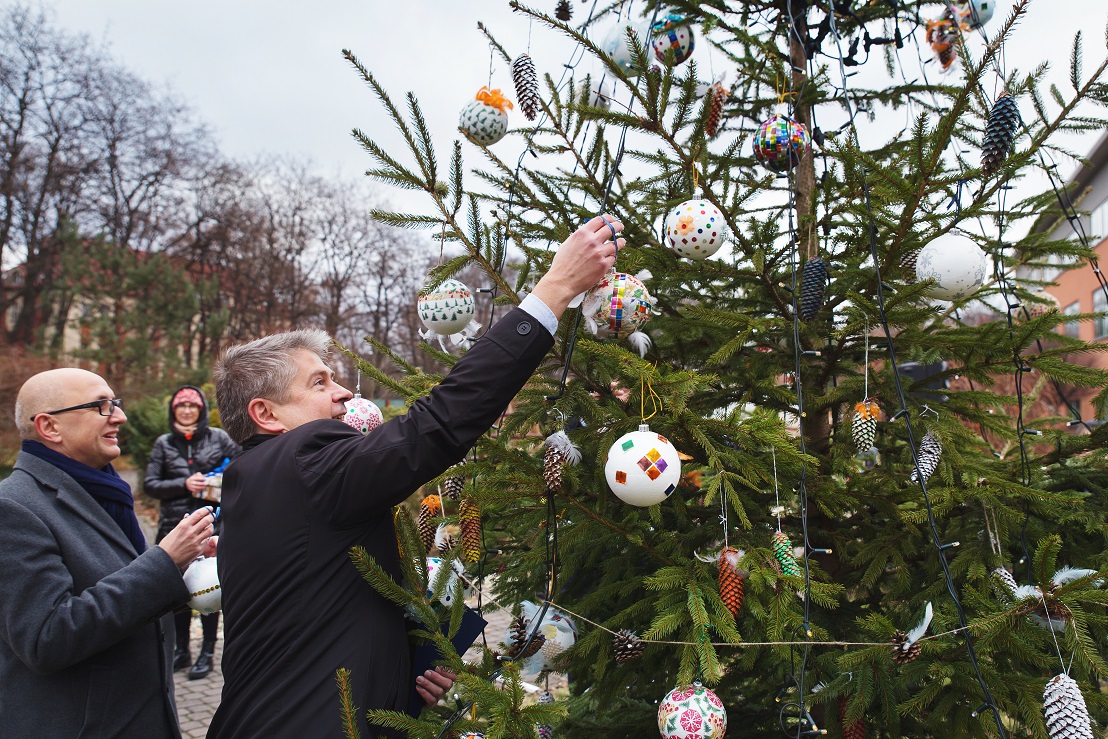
(483, 124)
(447, 309)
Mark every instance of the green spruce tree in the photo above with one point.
(761, 400)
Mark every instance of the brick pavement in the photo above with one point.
(198, 699)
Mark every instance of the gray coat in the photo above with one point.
(85, 636)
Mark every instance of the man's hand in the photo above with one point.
(188, 538)
(433, 684)
(580, 263)
(210, 547)
(196, 483)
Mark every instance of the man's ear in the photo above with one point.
(46, 427)
(261, 413)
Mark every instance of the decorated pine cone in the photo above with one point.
(903, 652)
(1005, 581)
(731, 587)
(527, 86)
(563, 12)
(1064, 706)
(430, 509)
(812, 287)
(930, 450)
(627, 646)
(851, 729)
(863, 426)
(1000, 133)
(469, 518)
(519, 638)
(716, 97)
(452, 487)
(553, 462)
(783, 553)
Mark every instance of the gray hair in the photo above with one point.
(263, 368)
(24, 422)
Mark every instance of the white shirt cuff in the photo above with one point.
(540, 312)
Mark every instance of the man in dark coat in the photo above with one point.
(307, 488)
(84, 630)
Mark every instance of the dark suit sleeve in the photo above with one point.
(353, 476)
(47, 625)
(155, 485)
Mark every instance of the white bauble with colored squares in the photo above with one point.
(448, 308)
(643, 468)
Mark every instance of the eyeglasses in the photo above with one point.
(104, 407)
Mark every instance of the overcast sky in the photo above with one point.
(268, 76)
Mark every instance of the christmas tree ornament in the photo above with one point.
(974, 13)
(1000, 134)
(617, 46)
(783, 553)
(955, 265)
(695, 229)
(851, 729)
(545, 731)
(717, 96)
(563, 11)
(1006, 582)
(471, 735)
(518, 648)
(1067, 717)
(692, 712)
(627, 646)
(558, 632)
(444, 540)
(906, 647)
(202, 581)
(813, 285)
(944, 38)
(930, 450)
(452, 486)
(1045, 609)
(484, 120)
(642, 468)
(362, 414)
(560, 451)
(600, 94)
(469, 518)
(447, 309)
(780, 142)
(731, 586)
(618, 307)
(444, 579)
(1041, 303)
(527, 86)
(430, 510)
(673, 34)
(863, 426)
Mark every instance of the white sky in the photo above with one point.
(268, 76)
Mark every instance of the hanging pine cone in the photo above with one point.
(903, 653)
(852, 729)
(716, 97)
(731, 586)
(627, 646)
(563, 12)
(908, 263)
(1005, 580)
(863, 426)
(545, 731)
(1000, 133)
(469, 517)
(430, 508)
(930, 449)
(518, 633)
(812, 286)
(527, 86)
(1064, 706)
(553, 462)
(452, 487)
(444, 541)
(783, 553)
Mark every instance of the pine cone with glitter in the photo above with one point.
(783, 553)
(1000, 133)
(527, 86)
(930, 450)
(851, 729)
(469, 518)
(563, 12)
(1005, 582)
(518, 634)
(553, 463)
(731, 586)
(903, 653)
(812, 287)
(1067, 717)
(430, 509)
(452, 487)
(863, 426)
(716, 97)
(545, 731)
(627, 646)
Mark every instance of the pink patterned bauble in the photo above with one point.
(692, 712)
(695, 229)
(362, 414)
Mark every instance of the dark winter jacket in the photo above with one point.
(174, 459)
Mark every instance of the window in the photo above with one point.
(1070, 328)
(1100, 305)
(1098, 222)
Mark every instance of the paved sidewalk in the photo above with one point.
(198, 699)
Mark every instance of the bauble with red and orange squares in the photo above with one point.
(695, 229)
(692, 712)
(643, 468)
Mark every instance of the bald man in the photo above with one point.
(86, 631)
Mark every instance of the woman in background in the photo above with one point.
(176, 476)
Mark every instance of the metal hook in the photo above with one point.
(928, 409)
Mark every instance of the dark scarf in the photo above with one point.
(104, 485)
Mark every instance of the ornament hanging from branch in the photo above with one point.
(954, 264)
(1067, 717)
(444, 579)
(642, 468)
(558, 633)
(627, 646)
(851, 729)
(673, 34)
(563, 11)
(1000, 134)
(430, 510)
(527, 86)
(731, 587)
(1045, 609)
(518, 647)
(974, 14)
(469, 518)
(362, 414)
(447, 310)
(545, 731)
(813, 285)
(484, 120)
(783, 553)
(780, 143)
(692, 712)
(943, 36)
(930, 450)
(452, 487)
(863, 426)
(695, 229)
(717, 96)
(617, 45)
(560, 451)
(906, 647)
(618, 307)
